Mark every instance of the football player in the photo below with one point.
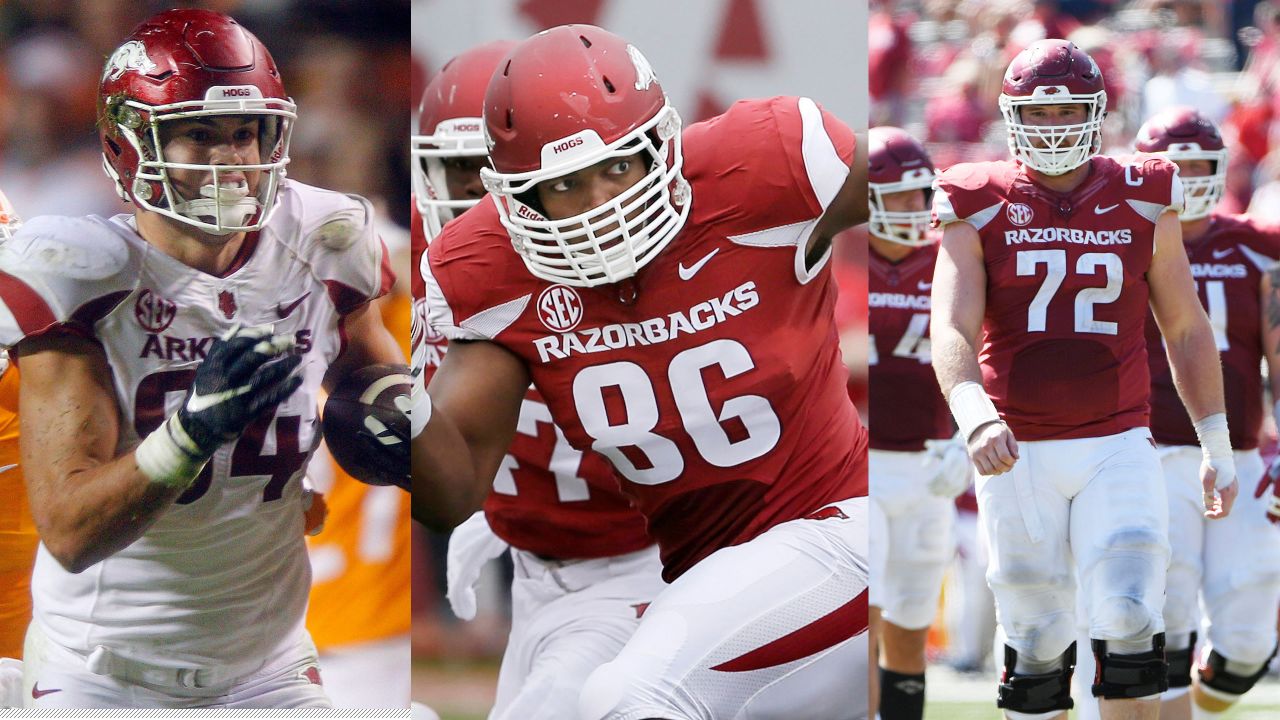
(585, 568)
(170, 360)
(1056, 255)
(916, 468)
(669, 296)
(1230, 258)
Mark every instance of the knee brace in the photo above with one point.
(1038, 693)
(1130, 676)
(1180, 664)
(1222, 675)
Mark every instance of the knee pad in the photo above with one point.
(1180, 664)
(1130, 676)
(1124, 617)
(1225, 676)
(1038, 693)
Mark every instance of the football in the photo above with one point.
(366, 424)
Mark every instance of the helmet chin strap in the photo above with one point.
(227, 205)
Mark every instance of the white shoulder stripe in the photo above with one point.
(488, 323)
(980, 219)
(439, 313)
(1260, 261)
(826, 170)
(780, 236)
(1149, 210)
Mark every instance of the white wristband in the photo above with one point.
(971, 408)
(1215, 443)
(169, 456)
(1215, 438)
(420, 411)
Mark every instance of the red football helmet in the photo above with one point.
(183, 64)
(1053, 72)
(450, 125)
(1182, 133)
(897, 162)
(563, 100)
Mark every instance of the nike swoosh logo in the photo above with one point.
(1099, 210)
(285, 311)
(37, 693)
(204, 402)
(688, 272)
(1219, 254)
(7, 468)
(924, 285)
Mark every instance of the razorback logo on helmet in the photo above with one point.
(560, 308)
(1020, 214)
(644, 71)
(129, 56)
(154, 313)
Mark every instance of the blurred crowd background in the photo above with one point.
(937, 66)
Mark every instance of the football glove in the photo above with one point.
(953, 470)
(1271, 480)
(471, 546)
(236, 382)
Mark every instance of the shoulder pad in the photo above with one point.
(56, 268)
(333, 233)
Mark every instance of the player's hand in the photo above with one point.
(993, 448)
(1218, 498)
(471, 546)
(952, 472)
(235, 383)
(1271, 480)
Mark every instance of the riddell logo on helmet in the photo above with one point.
(566, 145)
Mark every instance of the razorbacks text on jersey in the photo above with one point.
(712, 379)
(223, 573)
(548, 498)
(907, 407)
(1067, 293)
(1228, 263)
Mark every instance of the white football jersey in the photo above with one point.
(223, 574)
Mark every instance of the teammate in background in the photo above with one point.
(916, 467)
(584, 567)
(18, 537)
(359, 612)
(1229, 256)
(171, 360)
(1056, 255)
(674, 307)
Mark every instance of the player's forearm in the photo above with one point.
(87, 515)
(1197, 370)
(446, 485)
(955, 356)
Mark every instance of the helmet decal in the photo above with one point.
(129, 56)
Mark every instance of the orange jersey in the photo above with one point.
(18, 538)
(360, 591)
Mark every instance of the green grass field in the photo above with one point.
(986, 711)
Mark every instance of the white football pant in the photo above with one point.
(368, 675)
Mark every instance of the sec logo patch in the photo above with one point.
(560, 308)
(1020, 214)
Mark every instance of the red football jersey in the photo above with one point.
(907, 407)
(712, 380)
(1228, 262)
(548, 498)
(1065, 354)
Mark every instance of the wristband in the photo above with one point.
(971, 408)
(1215, 442)
(169, 456)
(420, 410)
